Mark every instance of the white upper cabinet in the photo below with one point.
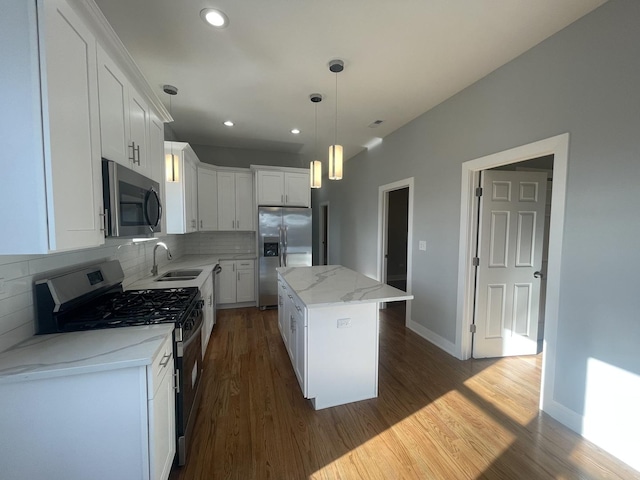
(235, 200)
(51, 198)
(270, 187)
(124, 118)
(51, 195)
(279, 187)
(297, 190)
(182, 191)
(207, 199)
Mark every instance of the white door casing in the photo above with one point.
(511, 233)
(383, 199)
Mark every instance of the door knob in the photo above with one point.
(538, 274)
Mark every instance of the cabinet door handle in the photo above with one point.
(281, 198)
(210, 300)
(137, 150)
(133, 152)
(200, 223)
(286, 198)
(104, 220)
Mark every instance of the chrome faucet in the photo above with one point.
(154, 269)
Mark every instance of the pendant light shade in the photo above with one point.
(172, 162)
(335, 162)
(335, 150)
(315, 167)
(315, 171)
(172, 166)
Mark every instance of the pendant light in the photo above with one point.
(315, 167)
(335, 150)
(172, 162)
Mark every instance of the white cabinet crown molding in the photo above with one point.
(279, 169)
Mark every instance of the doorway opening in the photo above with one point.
(395, 220)
(557, 146)
(396, 235)
(323, 258)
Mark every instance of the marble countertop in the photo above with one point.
(73, 353)
(328, 285)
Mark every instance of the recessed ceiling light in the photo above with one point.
(295, 131)
(214, 17)
(229, 123)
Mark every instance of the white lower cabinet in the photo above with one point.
(206, 294)
(100, 425)
(292, 320)
(236, 282)
(333, 348)
(161, 413)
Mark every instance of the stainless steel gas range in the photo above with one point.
(92, 297)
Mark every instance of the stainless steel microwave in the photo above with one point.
(131, 201)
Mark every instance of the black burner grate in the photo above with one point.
(131, 308)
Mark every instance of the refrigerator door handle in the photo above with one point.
(279, 246)
(284, 252)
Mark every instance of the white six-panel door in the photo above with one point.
(512, 215)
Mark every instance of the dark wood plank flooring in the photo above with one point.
(435, 417)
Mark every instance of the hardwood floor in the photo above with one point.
(435, 417)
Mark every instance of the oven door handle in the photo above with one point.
(181, 346)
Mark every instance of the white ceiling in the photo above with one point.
(401, 59)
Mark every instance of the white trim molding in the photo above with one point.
(557, 146)
(383, 190)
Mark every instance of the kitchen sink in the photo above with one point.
(177, 275)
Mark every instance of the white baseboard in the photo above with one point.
(564, 415)
(432, 337)
(608, 440)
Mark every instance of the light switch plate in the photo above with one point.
(422, 245)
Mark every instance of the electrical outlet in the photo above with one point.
(344, 322)
(422, 245)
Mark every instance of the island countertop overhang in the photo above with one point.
(330, 285)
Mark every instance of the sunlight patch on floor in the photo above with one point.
(513, 400)
(429, 443)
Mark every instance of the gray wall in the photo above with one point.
(244, 158)
(585, 80)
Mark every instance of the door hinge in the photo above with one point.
(478, 191)
(472, 328)
(475, 262)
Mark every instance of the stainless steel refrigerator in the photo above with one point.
(284, 240)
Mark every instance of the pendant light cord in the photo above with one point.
(336, 122)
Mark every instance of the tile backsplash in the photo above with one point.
(18, 272)
(212, 243)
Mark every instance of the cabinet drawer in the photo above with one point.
(245, 264)
(161, 365)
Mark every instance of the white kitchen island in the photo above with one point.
(328, 318)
